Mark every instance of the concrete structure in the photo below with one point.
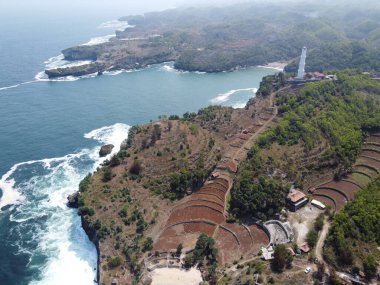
(268, 253)
(296, 199)
(301, 67)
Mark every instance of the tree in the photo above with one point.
(320, 271)
(312, 237)
(318, 225)
(114, 161)
(148, 244)
(179, 249)
(136, 167)
(282, 258)
(369, 265)
(107, 174)
(156, 135)
(114, 261)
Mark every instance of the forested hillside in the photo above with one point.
(330, 118)
(337, 34)
(355, 232)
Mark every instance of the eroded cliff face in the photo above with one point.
(114, 55)
(76, 71)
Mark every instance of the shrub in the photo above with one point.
(85, 183)
(107, 174)
(148, 244)
(86, 211)
(369, 265)
(312, 237)
(114, 161)
(136, 167)
(114, 262)
(318, 225)
(282, 258)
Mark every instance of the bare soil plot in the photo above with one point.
(196, 213)
(229, 249)
(337, 197)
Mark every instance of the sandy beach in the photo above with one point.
(173, 276)
(279, 65)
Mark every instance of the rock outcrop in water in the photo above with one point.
(76, 71)
(106, 150)
(72, 200)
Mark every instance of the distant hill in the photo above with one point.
(213, 39)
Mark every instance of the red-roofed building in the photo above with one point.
(296, 200)
(304, 247)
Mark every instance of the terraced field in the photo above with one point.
(367, 167)
(204, 212)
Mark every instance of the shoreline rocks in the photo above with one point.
(72, 200)
(106, 150)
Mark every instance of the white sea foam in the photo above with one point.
(169, 67)
(16, 85)
(115, 24)
(224, 97)
(239, 105)
(9, 196)
(99, 40)
(280, 69)
(45, 226)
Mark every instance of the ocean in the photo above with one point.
(51, 132)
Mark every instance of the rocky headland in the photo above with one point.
(229, 38)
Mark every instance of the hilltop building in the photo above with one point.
(296, 200)
(304, 77)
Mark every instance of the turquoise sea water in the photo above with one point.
(50, 134)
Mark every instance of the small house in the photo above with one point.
(215, 175)
(296, 200)
(304, 247)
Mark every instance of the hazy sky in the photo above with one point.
(109, 7)
(117, 8)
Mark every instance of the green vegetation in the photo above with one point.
(114, 262)
(358, 221)
(312, 237)
(179, 249)
(204, 254)
(136, 167)
(85, 183)
(282, 258)
(369, 265)
(271, 83)
(107, 174)
(187, 180)
(254, 194)
(332, 111)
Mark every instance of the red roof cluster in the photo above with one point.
(296, 195)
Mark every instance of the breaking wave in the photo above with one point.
(224, 97)
(99, 40)
(115, 24)
(50, 234)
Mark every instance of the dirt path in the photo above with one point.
(240, 154)
(321, 242)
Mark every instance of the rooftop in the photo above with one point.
(296, 195)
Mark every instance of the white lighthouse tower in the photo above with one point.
(301, 68)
